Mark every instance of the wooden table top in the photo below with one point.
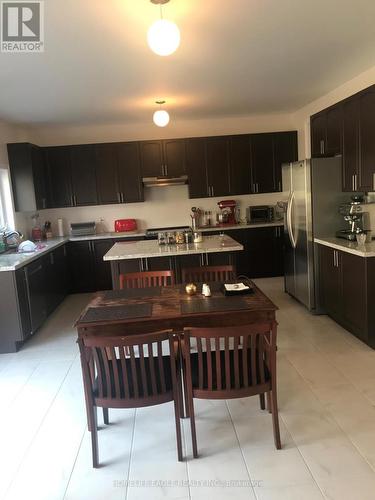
(166, 310)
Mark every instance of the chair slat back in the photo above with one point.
(130, 367)
(208, 273)
(230, 358)
(147, 279)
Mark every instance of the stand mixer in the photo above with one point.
(353, 215)
(228, 212)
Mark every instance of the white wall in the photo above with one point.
(165, 206)
(301, 118)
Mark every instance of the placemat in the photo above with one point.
(210, 304)
(132, 293)
(114, 313)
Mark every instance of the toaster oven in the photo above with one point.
(260, 213)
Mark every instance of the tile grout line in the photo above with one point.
(130, 454)
(183, 433)
(74, 463)
(241, 450)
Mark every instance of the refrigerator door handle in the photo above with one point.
(289, 220)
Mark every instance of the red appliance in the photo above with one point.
(228, 211)
(124, 225)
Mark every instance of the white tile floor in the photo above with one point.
(327, 413)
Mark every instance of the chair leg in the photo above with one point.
(177, 406)
(186, 400)
(262, 402)
(94, 436)
(275, 420)
(192, 425)
(180, 399)
(106, 416)
(269, 404)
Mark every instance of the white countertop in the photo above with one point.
(228, 227)
(106, 236)
(151, 248)
(13, 261)
(366, 250)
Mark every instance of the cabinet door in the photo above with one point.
(196, 168)
(81, 265)
(152, 158)
(37, 292)
(261, 252)
(107, 174)
(278, 251)
(333, 145)
(241, 258)
(240, 164)
(330, 281)
(58, 160)
(318, 124)
(174, 157)
(130, 178)
(262, 163)
(186, 261)
(103, 278)
(350, 144)
(285, 146)
(218, 165)
(367, 138)
(23, 302)
(83, 175)
(354, 296)
(159, 264)
(40, 176)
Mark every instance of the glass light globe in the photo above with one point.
(161, 118)
(163, 37)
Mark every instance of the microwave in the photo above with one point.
(260, 213)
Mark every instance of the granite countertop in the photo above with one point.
(366, 250)
(13, 261)
(151, 248)
(228, 227)
(105, 236)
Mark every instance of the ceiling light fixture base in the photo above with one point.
(159, 2)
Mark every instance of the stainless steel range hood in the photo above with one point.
(164, 181)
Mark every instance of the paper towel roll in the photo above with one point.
(60, 227)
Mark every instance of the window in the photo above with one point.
(6, 209)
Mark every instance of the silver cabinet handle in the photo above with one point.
(322, 146)
(119, 196)
(334, 258)
(280, 188)
(353, 189)
(122, 198)
(75, 200)
(166, 169)
(373, 181)
(72, 200)
(356, 181)
(212, 191)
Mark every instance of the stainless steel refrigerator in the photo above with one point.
(314, 190)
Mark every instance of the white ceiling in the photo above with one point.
(236, 57)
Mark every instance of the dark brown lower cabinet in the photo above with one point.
(347, 284)
(262, 256)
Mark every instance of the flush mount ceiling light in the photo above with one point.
(161, 117)
(163, 36)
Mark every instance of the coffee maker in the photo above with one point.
(227, 214)
(353, 215)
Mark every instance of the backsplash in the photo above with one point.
(163, 206)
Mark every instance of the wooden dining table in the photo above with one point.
(128, 312)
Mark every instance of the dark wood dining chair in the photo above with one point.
(222, 368)
(144, 378)
(208, 273)
(147, 279)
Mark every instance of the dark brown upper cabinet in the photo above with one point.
(285, 147)
(367, 141)
(118, 173)
(163, 158)
(262, 161)
(218, 166)
(240, 164)
(350, 144)
(326, 132)
(107, 176)
(58, 161)
(29, 177)
(196, 166)
(129, 172)
(82, 160)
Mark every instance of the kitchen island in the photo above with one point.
(148, 255)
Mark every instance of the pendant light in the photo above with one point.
(161, 117)
(163, 36)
